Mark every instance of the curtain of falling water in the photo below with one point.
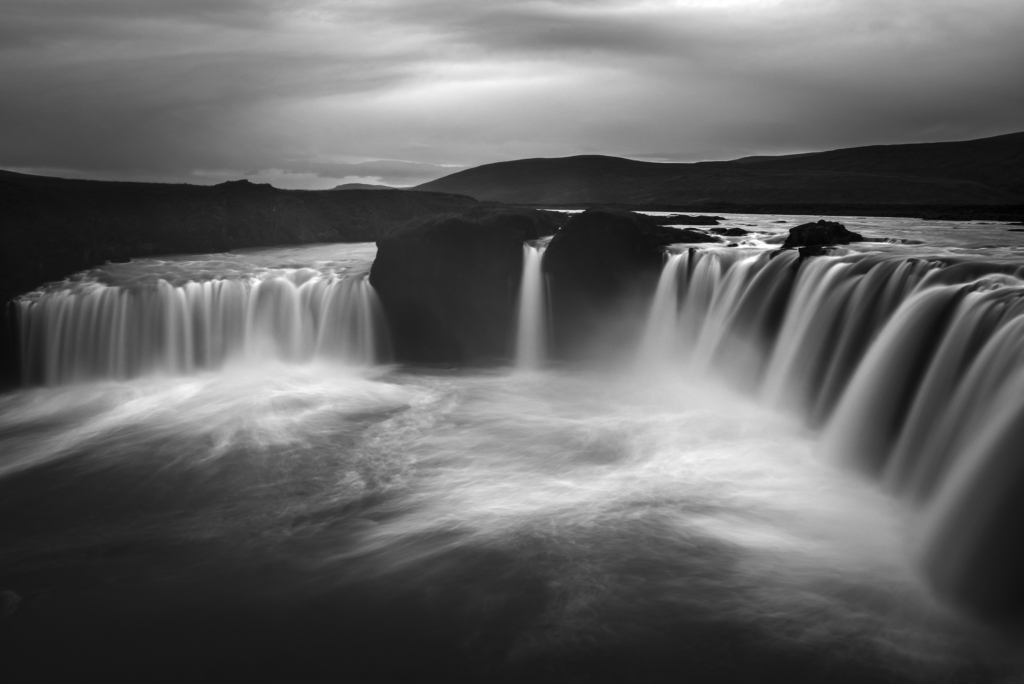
(102, 331)
(531, 335)
(914, 369)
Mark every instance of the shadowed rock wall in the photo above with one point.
(449, 285)
(602, 269)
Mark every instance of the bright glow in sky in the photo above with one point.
(313, 93)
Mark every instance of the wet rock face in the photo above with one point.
(449, 285)
(730, 232)
(820, 234)
(601, 268)
(812, 251)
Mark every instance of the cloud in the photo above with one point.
(382, 171)
(310, 92)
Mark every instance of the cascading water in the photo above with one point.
(793, 330)
(531, 328)
(88, 329)
(280, 516)
(913, 367)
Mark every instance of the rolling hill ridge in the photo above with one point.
(988, 171)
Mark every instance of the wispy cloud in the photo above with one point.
(307, 92)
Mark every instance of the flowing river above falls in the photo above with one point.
(283, 507)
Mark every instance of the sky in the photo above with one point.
(314, 93)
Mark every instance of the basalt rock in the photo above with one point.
(730, 232)
(812, 251)
(822, 233)
(601, 269)
(449, 285)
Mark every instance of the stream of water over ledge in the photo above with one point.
(267, 505)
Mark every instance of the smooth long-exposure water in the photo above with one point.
(317, 517)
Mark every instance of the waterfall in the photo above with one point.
(792, 331)
(93, 330)
(531, 330)
(912, 368)
(661, 334)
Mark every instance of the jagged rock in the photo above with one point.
(449, 285)
(730, 232)
(821, 233)
(812, 251)
(601, 269)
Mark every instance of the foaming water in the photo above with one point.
(632, 511)
(288, 514)
(909, 366)
(178, 317)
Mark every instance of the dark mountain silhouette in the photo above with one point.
(51, 227)
(989, 171)
(361, 186)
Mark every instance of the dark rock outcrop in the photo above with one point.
(601, 269)
(449, 286)
(729, 232)
(812, 251)
(820, 234)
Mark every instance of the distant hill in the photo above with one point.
(361, 186)
(989, 171)
(52, 227)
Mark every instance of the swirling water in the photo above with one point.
(321, 517)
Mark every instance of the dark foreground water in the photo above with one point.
(314, 522)
(319, 521)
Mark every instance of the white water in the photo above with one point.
(110, 323)
(910, 365)
(646, 509)
(531, 328)
(630, 513)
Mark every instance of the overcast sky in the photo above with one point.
(306, 93)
